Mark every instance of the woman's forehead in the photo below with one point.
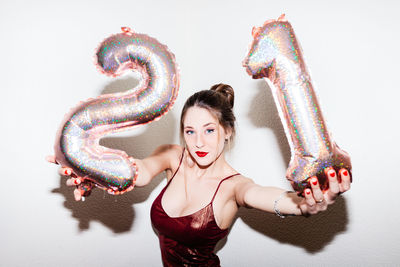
(197, 116)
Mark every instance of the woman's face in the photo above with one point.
(204, 136)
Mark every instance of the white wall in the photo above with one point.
(46, 67)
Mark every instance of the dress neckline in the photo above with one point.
(183, 216)
(193, 213)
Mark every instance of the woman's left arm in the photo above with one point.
(276, 200)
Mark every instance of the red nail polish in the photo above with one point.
(332, 174)
(345, 173)
(66, 172)
(308, 192)
(315, 182)
(76, 181)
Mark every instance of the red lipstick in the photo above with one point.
(201, 154)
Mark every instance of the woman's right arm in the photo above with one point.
(162, 159)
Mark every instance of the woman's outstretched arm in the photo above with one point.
(160, 160)
(276, 200)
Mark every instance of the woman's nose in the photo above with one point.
(199, 141)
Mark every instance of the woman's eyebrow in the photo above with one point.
(205, 125)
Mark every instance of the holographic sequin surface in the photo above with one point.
(77, 143)
(276, 56)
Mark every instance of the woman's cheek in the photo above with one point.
(189, 141)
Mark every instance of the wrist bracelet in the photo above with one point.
(277, 211)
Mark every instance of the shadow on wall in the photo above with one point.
(311, 233)
(118, 212)
(263, 114)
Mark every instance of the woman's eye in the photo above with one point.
(210, 130)
(189, 132)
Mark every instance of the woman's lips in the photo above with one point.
(201, 154)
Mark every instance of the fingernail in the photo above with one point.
(308, 192)
(332, 174)
(66, 172)
(345, 173)
(76, 181)
(314, 181)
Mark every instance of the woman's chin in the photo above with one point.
(203, 163)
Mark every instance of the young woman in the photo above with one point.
(203, 192)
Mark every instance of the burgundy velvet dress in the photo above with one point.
(188, 240)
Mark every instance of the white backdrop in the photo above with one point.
(351, 48)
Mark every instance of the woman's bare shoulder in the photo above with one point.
(237, 182)
(233, 188)
(171, 153)
(241, 180)
(238, 186)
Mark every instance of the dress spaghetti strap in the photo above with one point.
(226, 178)
(180, 162)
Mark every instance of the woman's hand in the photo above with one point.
(83, 188)
(315, 200)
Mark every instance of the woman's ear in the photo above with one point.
(228, 134)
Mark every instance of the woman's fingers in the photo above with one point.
(316, 190)
(65, 171)
(319, 197)
(82, 188)
(345, 180)
(334, 188)
(315, 200)
(77, 194)
(311, 207)
(73, 181)
(338, 182)
(309, 197)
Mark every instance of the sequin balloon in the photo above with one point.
(77, 143)
(275, 55)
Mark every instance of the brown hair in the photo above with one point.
(218, 101)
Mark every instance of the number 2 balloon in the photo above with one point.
(77, 142)
(275, 55)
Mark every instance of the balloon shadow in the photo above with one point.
(312, 233)
(263, 114)
(117, 212)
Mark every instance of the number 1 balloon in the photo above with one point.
(77, 142)
(275, 55)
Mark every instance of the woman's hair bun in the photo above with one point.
(226, 91)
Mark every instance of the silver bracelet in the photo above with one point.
(277, 211)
